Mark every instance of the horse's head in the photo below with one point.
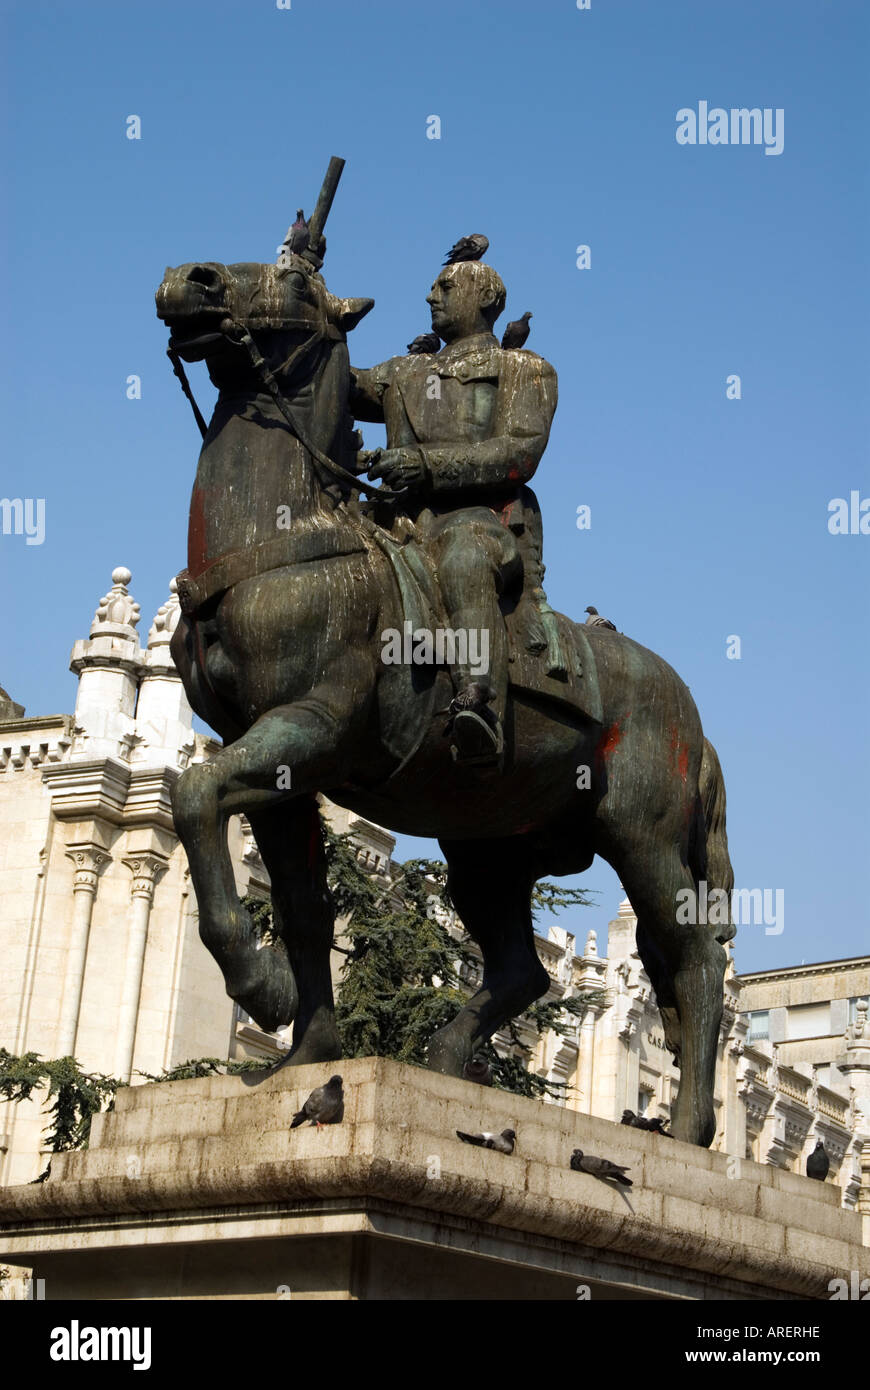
(202, 304)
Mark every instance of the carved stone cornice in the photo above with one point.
(149, 796)
(83, 790)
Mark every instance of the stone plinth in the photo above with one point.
(199, 1189)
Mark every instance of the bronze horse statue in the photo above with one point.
(279, 650)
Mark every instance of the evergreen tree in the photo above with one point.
(403, 977)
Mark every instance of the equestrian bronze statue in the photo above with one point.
(389, 643)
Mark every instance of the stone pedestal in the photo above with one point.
(199, 1189)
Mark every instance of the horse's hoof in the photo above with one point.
(448, 1053)
(273, 1002)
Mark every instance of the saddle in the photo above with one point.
(549, 656)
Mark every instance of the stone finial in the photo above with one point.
(117, 613)
(591, 945)
(166, 620)
(625, 909)
(9, 708)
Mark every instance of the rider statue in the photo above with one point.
(466, 428)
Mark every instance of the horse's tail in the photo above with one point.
(713, 862)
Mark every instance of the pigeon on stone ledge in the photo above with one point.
(502, 1143)
(599, 1168)
(641, 1122)
(325, 1105)
(818, 1163)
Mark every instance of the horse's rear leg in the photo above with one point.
(291, 843)
(688, 973)
(490, 883)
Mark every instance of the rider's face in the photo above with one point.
(455, 307)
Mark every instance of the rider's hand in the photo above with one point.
(400, 468)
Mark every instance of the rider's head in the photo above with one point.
(466, 298)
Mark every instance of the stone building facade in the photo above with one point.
(102, 957)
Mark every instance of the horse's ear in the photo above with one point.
(346, 313)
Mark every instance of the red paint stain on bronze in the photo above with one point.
(679, 754)
(196, 536)
(609, 740)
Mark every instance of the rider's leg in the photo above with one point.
(476, 557)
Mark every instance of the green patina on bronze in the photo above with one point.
(281, 650)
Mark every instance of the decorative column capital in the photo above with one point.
(147, 869)
(89, 861)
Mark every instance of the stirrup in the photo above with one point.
(481, 744)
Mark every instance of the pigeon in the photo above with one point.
(818, 1163)
(478, 1070)
(467, 248)
(425, 342)
(502, 1143)
(641, 1122)
(516, 332)
(297, 235)
(599, 1167)
(655, 1124)
(325, 1105)
(595, 619)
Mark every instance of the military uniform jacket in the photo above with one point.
(479, 414)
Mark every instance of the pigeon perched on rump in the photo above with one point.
(502, 1143)
(599, 1168)
(325, 1105)
(595, 619)
(467, 248)
(516, 332)
(818, 1162)
(425, 342)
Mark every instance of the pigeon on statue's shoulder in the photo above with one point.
(424, 342)
(516, 332)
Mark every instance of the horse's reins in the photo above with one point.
(238, 334)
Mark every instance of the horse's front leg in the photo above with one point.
(296, 744)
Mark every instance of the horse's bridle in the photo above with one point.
(238, 334)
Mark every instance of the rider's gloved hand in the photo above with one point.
(400, 468)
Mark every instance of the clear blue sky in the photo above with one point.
(709, 516)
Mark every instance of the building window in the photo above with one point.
(808, 1021)
(759, 1025)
